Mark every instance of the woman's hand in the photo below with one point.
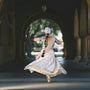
(36, 39)
(37, 57)
(58, 42)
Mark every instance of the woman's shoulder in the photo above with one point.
(52, 37)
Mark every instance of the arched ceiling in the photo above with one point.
(62, 8)
(1, 3)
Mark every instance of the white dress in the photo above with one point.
(47, 65)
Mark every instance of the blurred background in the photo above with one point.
(23, 20)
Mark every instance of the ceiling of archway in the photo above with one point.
(63, 9)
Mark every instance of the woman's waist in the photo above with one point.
(51, 48)
(50, 51)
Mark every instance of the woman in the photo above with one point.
(46, 62)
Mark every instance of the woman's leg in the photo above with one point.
(48, 78)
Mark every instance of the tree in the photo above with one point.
(36, 29)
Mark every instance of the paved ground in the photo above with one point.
(35, 81)
(42, 85)
(78, 78)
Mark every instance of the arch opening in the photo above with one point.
(36, 29)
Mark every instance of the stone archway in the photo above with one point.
(35, 17)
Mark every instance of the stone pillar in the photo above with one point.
(0, 30)
(88, 3)
(7, 47)
(84, 49)
(4, 28)
(12, 35)
(76, 35)
(4, 50)
(88, 48)
(83, 30)
(78, 48)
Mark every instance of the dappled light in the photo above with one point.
(63, 65)
(36, 29)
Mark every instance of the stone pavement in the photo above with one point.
(78, 78)
(35, 81)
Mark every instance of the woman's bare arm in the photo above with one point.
(58, 42)
(36, 39)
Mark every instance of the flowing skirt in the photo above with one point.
(47, 65)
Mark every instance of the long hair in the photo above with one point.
(45, 44)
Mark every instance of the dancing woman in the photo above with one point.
(45, 62)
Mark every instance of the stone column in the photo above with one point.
(88, 3)
(83, 49)
(0, 30)
(4, 35)
(76, 35)
(78, 48)
(88, 48)
(83, 30)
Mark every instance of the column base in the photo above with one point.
(83, 60)
(77, 58)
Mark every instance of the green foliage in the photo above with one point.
(42, 24)
(36, 29)
(39, 44)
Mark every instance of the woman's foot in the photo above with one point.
(48, 78)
